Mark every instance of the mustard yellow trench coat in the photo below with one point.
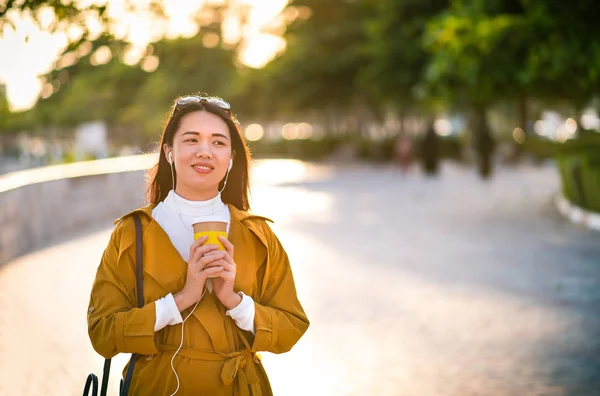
(217, 358)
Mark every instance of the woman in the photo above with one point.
(239, 301)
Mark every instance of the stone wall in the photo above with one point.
(38, 205)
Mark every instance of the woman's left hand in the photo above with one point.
(223, 284)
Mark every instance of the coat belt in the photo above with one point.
(235, 367)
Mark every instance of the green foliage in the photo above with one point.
(344, 59)
(477, 52)
(580, 173)
(541, 148)
(564, 59)
(320, 66)
(307, 149)
(578, 163)
(483, 51)
(65, 11)
(396, 59)
(384, 150)
(186, 67)
(126, 96)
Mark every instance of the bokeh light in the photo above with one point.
(443, 127)
(290, 131)
(519, 135)
(254, 132)
(150, 63)
(101, 56)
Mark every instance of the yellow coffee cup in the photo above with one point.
(212, 229)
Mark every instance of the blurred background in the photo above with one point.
(432, 167)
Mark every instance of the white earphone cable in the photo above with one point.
(181, 343)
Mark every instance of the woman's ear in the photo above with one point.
(168, 153)
(231, 160)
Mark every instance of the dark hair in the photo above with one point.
(237, 188)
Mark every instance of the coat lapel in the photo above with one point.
(162, 261)
(208, 314)
(249, 251)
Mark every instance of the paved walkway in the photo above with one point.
(414, 286)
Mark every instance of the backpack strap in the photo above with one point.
(92, 380)
(139, 279)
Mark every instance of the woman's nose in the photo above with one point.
(203, 152)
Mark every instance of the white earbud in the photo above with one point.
(170, 159)
(230, 164)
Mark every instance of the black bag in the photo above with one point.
(92, 379)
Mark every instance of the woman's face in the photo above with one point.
(201, 152)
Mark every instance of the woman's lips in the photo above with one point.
(201, 170)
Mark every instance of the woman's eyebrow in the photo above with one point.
(196, 133)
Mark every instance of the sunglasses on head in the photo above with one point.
(192, 99)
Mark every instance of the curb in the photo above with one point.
(576, 214)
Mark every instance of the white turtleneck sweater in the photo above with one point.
(176, 215)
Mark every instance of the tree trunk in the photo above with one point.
(482, 141)
(578, 114)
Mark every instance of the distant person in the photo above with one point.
(207, 311)
(484, 149)
(430, 151)
(404, 152)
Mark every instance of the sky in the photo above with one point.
(27, 51)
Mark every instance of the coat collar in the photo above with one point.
(236, 214)
(164, 263)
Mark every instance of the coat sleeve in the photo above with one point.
(115, 324)
(279, 319)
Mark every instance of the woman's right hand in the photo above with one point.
(197, 273)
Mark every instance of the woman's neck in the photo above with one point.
(197, 195)
(189, 207)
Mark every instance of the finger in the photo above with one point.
(223, 264)
(226, 276)
(199, 261)
(205, 249)
(211, 272)
(229, 269)
(216, 252)
(226, 256)
(202, 251)
(197, 243)
(216, 263)
(209, 258)
(228, 246)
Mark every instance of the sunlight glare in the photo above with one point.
(258, 50)
(33, 52)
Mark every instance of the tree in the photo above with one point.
(564, 60)
(186, 67)
(396, 57)
(318, 71)
(478, 57)
(65, 12)
(133, 102)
